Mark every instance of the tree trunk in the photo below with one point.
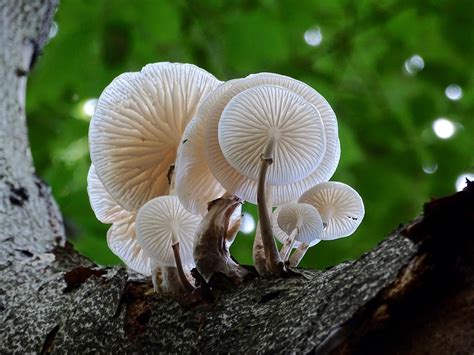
(413, 293)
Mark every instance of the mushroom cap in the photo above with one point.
(304, 216)
(105, 208)
(340, 206)
(195, 185)
(163, 222)
(254, 116)
(137, 127)
(211, 110)
(329, 163)
(121, 237)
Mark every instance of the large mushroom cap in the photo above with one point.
(340, 206)
(258, 115)
(329, 163)
(211, 110)
(195, 185)
(137, 127)
(105, 208)
(298, 215)
(163, 222)
(121, 237)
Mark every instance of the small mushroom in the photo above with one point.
(296, 223)
(341, 209)
(340, 206)
(121, 237)
(165, 231)
(137, 126)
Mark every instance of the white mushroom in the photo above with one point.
(270, 128)
(296, 224)
(246, 113)
(341, 209)
(234, 182)
(137, 127)
(165, 231)
(121, 237)
(340, 206)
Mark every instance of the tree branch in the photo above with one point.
(413, 292)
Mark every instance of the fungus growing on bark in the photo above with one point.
(134, 136)
(296, 224)
(266, 139)
(341, 209)
(165, 231)
(257, 99)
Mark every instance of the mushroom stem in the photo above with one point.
(211, 253)
(184, 280)
(273, 261)
(289, 243)
(298, 254)
(258, 252)
(232, 233)
(156, 276)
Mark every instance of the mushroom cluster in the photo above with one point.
(175, 152)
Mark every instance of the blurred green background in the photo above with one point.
(390, 69)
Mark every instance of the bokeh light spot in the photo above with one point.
(414, 64)
(430, 168)
(89, 107)
(453, 92)
(247, 225)
(313, 36)
(53, 30)
(444, 128)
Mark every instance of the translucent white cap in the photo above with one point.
(232, 180)
(264, 114)
(105, 208)
(340, 206)
(163, 222)
(298, 215)
(195, 185)
(137, 127)
(121, 237)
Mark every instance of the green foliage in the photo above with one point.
(385, 115)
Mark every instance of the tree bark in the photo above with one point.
(413, 293)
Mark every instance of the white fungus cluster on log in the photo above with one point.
(175, 152)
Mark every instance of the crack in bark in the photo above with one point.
(49, 341)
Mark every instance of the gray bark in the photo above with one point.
(414, 292)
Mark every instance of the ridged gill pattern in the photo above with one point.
(162, 221)
(253, 116)
(340, 206)
(137, 127)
